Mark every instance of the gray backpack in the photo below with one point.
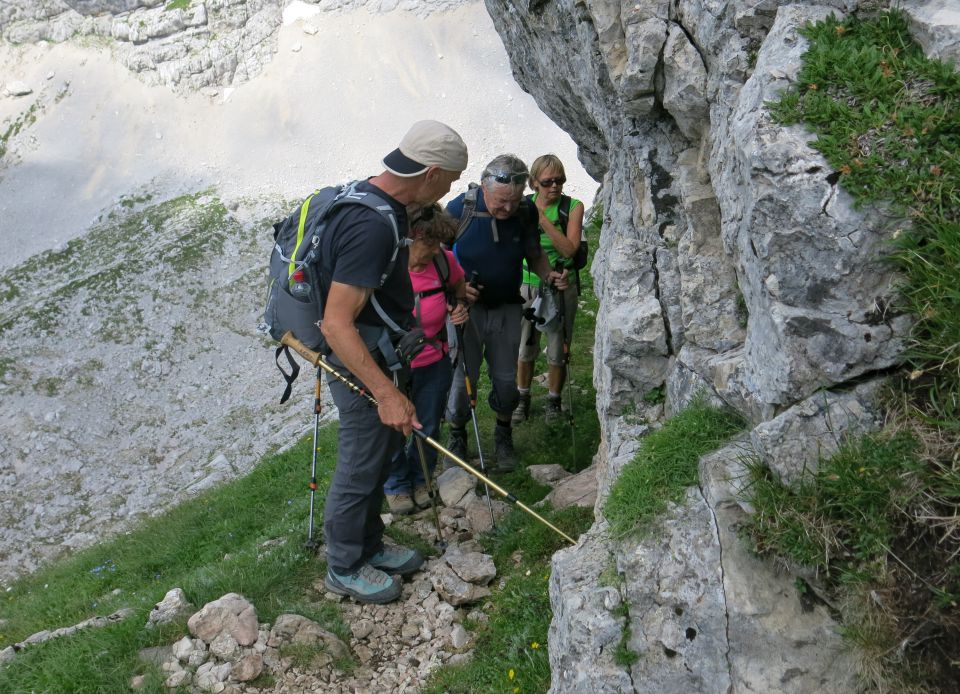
(294, 297)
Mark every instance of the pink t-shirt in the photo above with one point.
(433, 308)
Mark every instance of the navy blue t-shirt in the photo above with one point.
(356, 249)
(499, 263)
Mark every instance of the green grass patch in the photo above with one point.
(842, 520)
(25, 119)
(666, 465)
(177, 5)
(887, 119)
(208, 546)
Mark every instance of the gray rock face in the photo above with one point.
(206, 43)
(95, 7)
(936, 26)
(793, 443)
(812, 275)
(732, 264)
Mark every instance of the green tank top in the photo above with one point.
(546, 243)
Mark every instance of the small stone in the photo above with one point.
(177, 679)
(17, 89)
(361, 630)
(248, 668)
(297, 47)
(459, 637)
(137, 683)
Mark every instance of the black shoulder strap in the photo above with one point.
(563, 212)
(373, 201)
(469, 210)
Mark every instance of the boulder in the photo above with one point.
(231, 614)
(173, 607)
(472, 567)
(454, 484)
(577, 490)
(454, 589)
(547, 474)
(477, 512)
(247, 668)
(297, 629)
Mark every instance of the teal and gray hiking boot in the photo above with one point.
(397, 560)
(366, 584)
(503, 441)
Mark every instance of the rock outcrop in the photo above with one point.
(187, 44)
(730, 262)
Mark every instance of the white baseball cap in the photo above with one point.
(427, 143)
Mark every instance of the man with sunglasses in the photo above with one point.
(496, 234)
(356, 249)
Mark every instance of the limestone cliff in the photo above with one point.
(729, 260)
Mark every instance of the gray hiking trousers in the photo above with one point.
(492, 333)
(352, 526)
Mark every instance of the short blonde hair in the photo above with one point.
(545, 163)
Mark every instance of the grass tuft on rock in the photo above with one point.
(887, 119)
(666, 465)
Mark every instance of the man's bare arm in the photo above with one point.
(343, 305)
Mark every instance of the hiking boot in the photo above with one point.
(400, 504)
(366, 584)
(394, 559)
(521, 412)
(456, 444)
(554, 411)
(503, 442)
(421, 496)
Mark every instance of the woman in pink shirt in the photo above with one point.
(439, 289)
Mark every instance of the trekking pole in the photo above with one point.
(317, 405)
(562, 302)
(317, 359)
(431, 490)
(472, 396)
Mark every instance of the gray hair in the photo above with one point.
(505, 165)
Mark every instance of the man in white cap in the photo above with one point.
(357, 248)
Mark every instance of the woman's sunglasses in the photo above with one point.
(551, 182)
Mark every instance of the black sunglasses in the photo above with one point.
(515, 178)
(426, 214)
(550, 182)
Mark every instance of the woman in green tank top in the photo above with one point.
(560, 244)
